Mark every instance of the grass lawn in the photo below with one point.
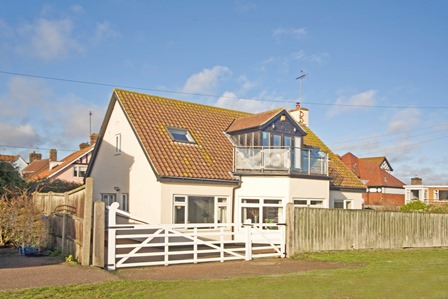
(382, 274)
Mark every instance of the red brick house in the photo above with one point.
(383, 189)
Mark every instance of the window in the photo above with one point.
(259, 210)
(181, 135)
(312, 203)
(342, 204)
(265, 139)
(200, 209)
(415, 194)
(108, 198)
(442, 194)
(118, 144)
(79, 171)
(124, 203)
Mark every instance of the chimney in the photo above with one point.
(300, 114)
(35, 156)
(53, 155)
(416, 181)
(83, 145)
(93, 138)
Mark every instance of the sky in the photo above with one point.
(376, 71)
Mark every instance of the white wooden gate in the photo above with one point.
(139, 243)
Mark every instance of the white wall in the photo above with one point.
(355, 197)
(130, 170)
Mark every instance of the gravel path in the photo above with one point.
(17, 271)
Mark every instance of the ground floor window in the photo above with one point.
(110, 198)
(311, 203)
(261, 210)
(200, 209)
(343, 204)
(441, 194)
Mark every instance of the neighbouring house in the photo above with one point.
(16, 160)
(71, 168)
(429, 194)
(171, 161)
(383, 189)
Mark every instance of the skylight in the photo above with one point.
(181, 135)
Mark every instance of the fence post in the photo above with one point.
(248, 228)
(87, 223)
(98, 233)
(290, 229)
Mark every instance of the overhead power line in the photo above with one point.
(211, 95)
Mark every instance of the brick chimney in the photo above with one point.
(93, 138)
(83, 145)
(53, 155)
(300, 114)
(416, 181)
(35, 156)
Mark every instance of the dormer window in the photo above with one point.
(180, 135)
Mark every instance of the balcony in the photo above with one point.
(280, 160)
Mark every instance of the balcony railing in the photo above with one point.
(280, 159)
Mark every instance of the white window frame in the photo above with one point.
(180, 131)
(117, 144)
(347, 204)
(108, 198)
(310, 203)
(220, 202)
(124, 202)
(78, 169)
(262, 203)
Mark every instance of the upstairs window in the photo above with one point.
(180, 135)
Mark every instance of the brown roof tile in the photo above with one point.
(211, 157)
(8, 158)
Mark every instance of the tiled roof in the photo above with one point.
(370, 171)
(253, 121)
(34, 169)
(65, 162)
(8, 158)
(212, 155)
(342, 177)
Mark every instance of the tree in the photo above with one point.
(11, 181)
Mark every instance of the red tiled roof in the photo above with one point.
(8, 158)
(65, 162)
(33, 170)
(370, 171)
(211, 157)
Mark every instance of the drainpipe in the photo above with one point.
(233, 202)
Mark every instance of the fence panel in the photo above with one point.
(336, 229)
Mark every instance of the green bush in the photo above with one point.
(418, 206)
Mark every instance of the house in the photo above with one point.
(383, 189)
(71, 168)
(429, 194)
(171, 161)
(16, 160)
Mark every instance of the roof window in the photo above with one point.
(180, 135)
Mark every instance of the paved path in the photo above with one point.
(17, 271)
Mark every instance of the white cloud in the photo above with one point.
(229, 100)
(246, 84)
(244, 5)
(296, 33)
(49, 39)
(404, 119)
(206, 80)
(104, 32)
(18, 135)
(357, 101)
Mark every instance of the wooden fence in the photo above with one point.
(70, 216)
(311, 229)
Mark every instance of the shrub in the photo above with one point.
(21, 223)
(414, 206)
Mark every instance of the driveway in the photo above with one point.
(18, 271)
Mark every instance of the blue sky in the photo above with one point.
(377, 70)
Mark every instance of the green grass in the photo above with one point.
(381, 274)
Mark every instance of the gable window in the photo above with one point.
(180, 135)
(117, 143)
(79, 171)
(200, 209)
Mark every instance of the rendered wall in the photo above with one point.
(356, 198)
